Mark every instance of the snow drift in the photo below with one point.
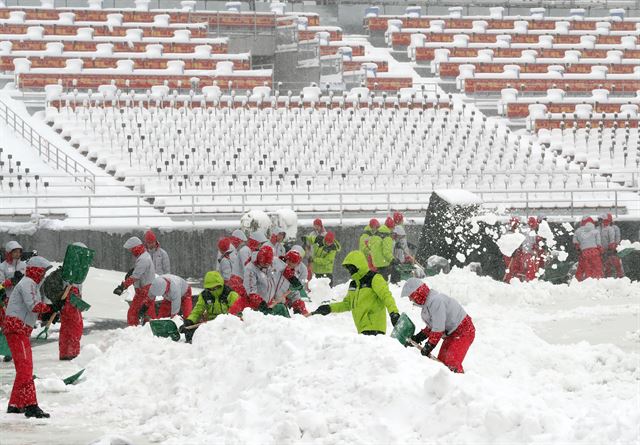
(273, 380)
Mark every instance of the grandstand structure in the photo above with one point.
(143, 113)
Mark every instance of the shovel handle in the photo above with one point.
(193, 326)
(417, 346)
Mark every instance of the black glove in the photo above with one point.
(295, 283)
(263, 307)
(394, 316)
(119, 290)
(427, 348)
(57, 306)
(17, 275)
(207, 296)
(183, 329)
(323, 309)
(419, 337)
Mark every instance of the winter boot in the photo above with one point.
(35, 411)
(71, 357)
(7, 358)
(14, 410)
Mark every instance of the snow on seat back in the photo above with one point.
(600, 95)
(496, 12)
(562, 27)
(277, 8)
(614, 56)
(576, 13)
(21, 65)
(182, 35)
(224, 68)
(114, 19)
(603, 28)
(311, 94)
(84, 33)
(455, 12)
(95, 4)
(583, 111)
(108, 92)
(73, 65)
(260, 93)
(16, 17)
(161, 20)
(134, 34)
(104, 49)
(35, 33)
(629, 111)
(142, 5)
(572, 56)
(52, 92)
(188, 5)
(357, 93)
(54, 48)
(66, 18)
(212, 93)
(555, 94)
(599, 72)
(202, 51)
(125, 66)
(154, 50)
(47, 4)
(6, 47)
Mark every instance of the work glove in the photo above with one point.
(427, 348)
(183, 329)
(323, 309)
(57, 306)
(289, 273)
(207, 296)
(17, 276)
(262, 307)
(295, 283)
(419, 337)
(394, 316)
(119, 290)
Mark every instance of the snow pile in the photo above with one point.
(626, 244)
(509, 242)
(313, 380)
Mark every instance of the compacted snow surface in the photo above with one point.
(549, 364)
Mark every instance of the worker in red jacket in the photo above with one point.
(25, 304)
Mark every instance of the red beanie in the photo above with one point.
(150, 237)
(398, 218)
(329, 238)
(224, 244)
(374, 223)
(293, 256)
(420, 294)
(318, 222)
(264, 256)
(389, 222)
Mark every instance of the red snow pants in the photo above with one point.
(515, 266)
(23, 393)
(70, 331)
(186, 306)
(140, 299)
(613, 265)
(589, 264)
(531, 264)
(454, 348)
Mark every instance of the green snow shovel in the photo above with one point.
(79, 303)
(404, 329)
(281, 310)
(4, 346)
(77, 261)
(624, 252)
(165, 329)
(69, 380)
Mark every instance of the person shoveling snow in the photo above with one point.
(444, 318)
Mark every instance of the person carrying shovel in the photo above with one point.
(214, 300)
(368, 298)
(445, 318)
(176, 294)
(25, 304)
(141, 278)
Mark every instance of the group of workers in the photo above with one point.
(595, 242)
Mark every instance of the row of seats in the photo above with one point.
(516, 106)
(497, 20)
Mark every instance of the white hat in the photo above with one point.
(299, 249)
(79, 244)
(158, 286)
(240, 235)
(38, 261)
(277, 230)
(411, 286)
(258, 236)
(132, 242)
(12, 245)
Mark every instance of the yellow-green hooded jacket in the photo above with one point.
(362, 245)
(381, 246)
(368, 297)
(212, 303)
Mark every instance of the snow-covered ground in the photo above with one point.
(549, 364)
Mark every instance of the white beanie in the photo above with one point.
(38, 261)
(132, 242)
(158, 286)
(411, 286)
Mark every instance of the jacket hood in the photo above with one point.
(213, 279)
(358, 259)
(384, 230)
(159, 286)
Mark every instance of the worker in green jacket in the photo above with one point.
(368, 298)
(214, 300)
(364, 243)
(324, 255)
(381, 245)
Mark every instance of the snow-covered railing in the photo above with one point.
(49, 153)
(112, 209)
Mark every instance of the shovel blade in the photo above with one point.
(73, 378)
(404, 329)
(77, 261)
(4, 346)
(165, 329)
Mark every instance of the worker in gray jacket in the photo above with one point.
(159, 256)
(255, 241)
(258, 282)
(25, 305)
(176, 294)
(290, 276)
(588, 243)
(141, 277)
(610, 238)
(444, 318)
(11, 270)
(401, 253)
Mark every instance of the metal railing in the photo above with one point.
(48, 152)
(203, 208)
